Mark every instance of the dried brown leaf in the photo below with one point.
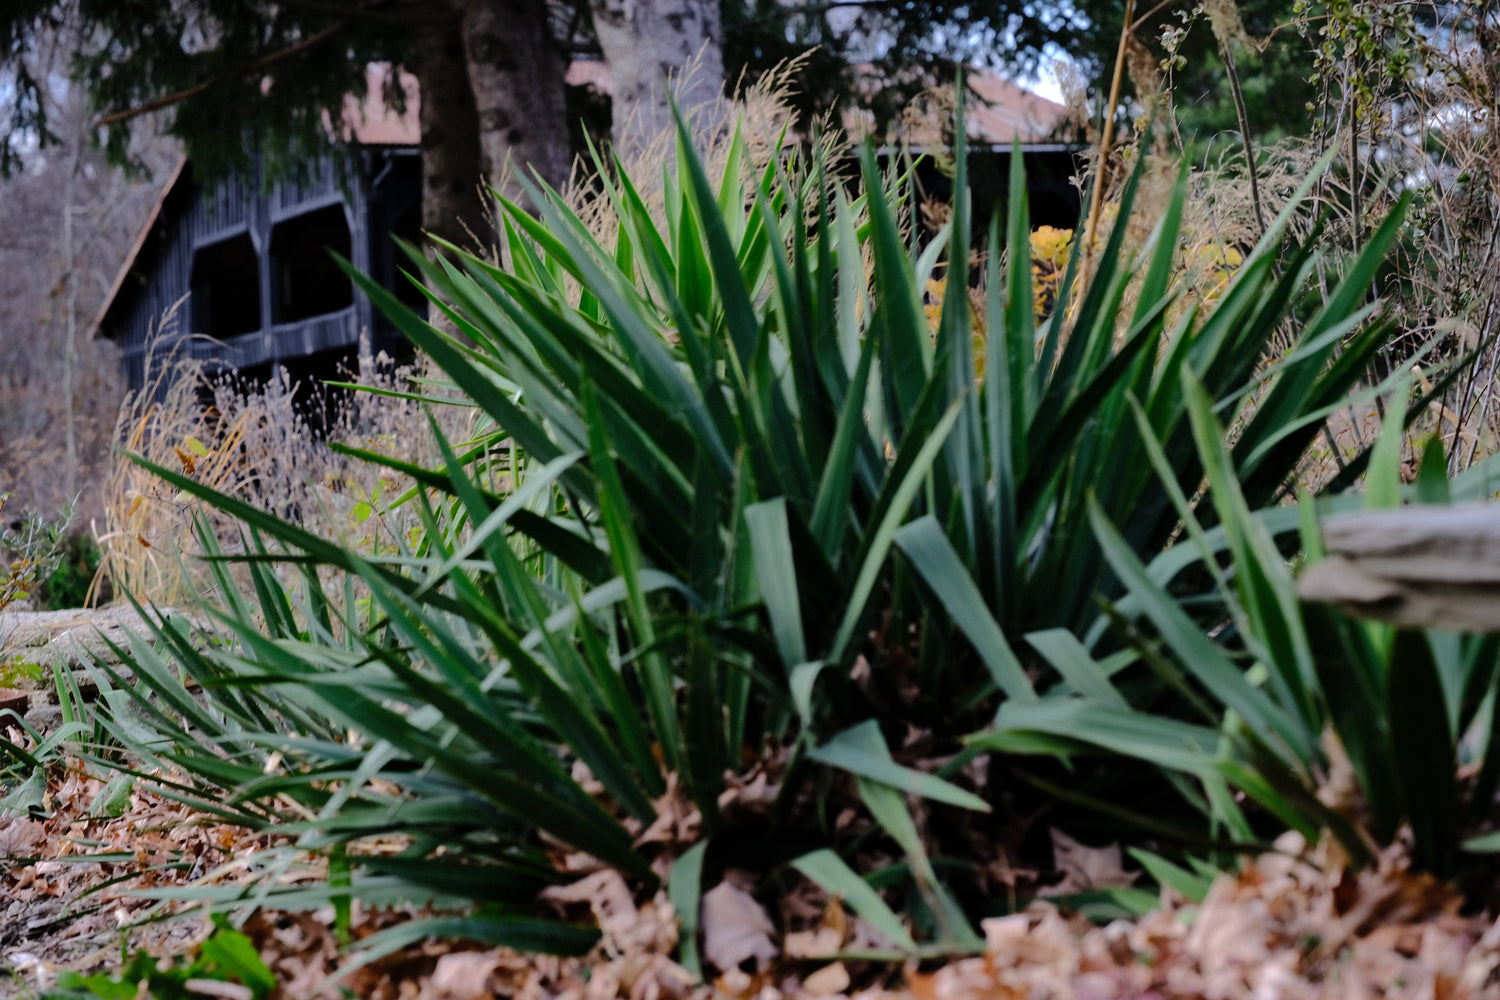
(1087, 868)
(736, 928)
(20, 838)
(828, 980)
(811, 944)
(461, 975)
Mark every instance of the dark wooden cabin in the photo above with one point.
(238, 274)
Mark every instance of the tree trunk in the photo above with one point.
(653, 44)
(517, 74)
(453, 206)
(70, 312)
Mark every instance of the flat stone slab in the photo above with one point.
(31, 642)
(71, 638)
(1419, 566)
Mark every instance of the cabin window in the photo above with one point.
(226, 288)
(305, 280)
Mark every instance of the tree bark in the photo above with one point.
(651, 44)
(70, 311)
(517, 73)
(453, 205)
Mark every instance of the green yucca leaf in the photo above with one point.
(1062, 362)
(498, 883)
(564, 709)
(776, 568)
(537, 481)
(1262, 579)
(849, 751)
(1005, 391)
(831, 513)
(918, 453)
(923, 542)
(967, 474)
(685, 889)
(1190, 886)
(1062, 650)
(739, 313)
(636, 218)
(837, 879)
(731, 196)
(1163, 246)
(1047, 437)
(890, 811)
(898, 322)
(1423, 750)
(1165, 742)
(615, 512)
(1167, 475)
(852, 294)
(1208, 663)
(695, 281)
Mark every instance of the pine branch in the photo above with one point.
(167, 100)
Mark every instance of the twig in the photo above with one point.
(1227, 53)
(1354, 179)
(166, 101)
(1107, 135)
(1140, 22)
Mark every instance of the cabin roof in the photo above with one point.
(999, 113)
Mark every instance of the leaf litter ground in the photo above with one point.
(1292, 924)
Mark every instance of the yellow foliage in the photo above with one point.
(934, 312)
(1049, 259)
(1214, 265)
(1203, 275)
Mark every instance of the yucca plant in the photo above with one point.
(757, 390)
(1288, 687)
(713, 433)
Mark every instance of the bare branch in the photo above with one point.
(167, 100)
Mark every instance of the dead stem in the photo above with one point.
(1107, 133)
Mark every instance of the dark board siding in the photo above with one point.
(154, 315)
(319, 333)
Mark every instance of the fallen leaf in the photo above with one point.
(828, 980)
(812, 944)
(1086, 868)
(461, 975)
(20, 837)
(627, 928)
(735, 928)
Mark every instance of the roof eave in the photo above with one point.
(141, 237)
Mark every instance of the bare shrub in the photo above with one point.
(1410, 93)
(254, 443)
